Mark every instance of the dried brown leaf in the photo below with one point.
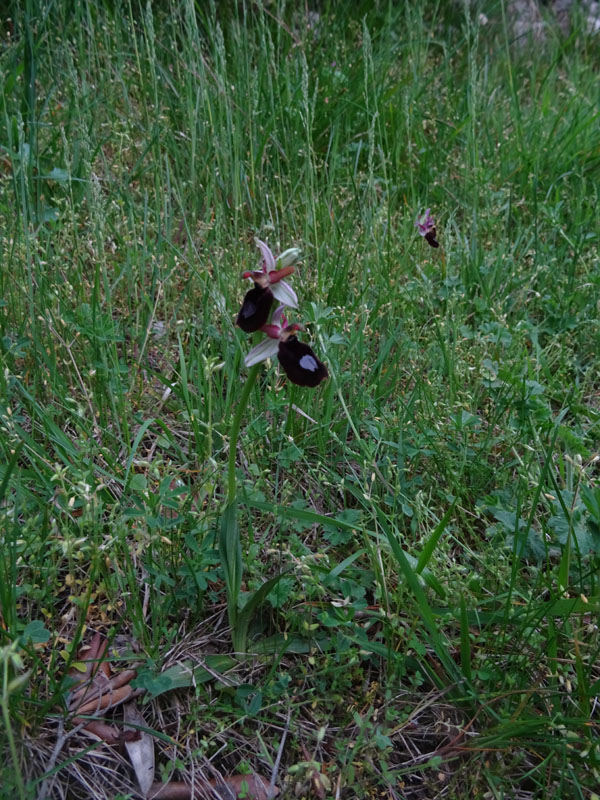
(106, 701)
(175, 790)
(140, 750)
(319, 782)
(108, 733)
(100, 686)
(248, 787)
(251, 787)
(97, 727)
(91, 657)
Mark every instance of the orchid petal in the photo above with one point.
(284, 293)
(272, 331)
(279, 274)
(254, 274)
(266, 349)
(425, 223)
(288, 257)
(278, 318)
(268, 257)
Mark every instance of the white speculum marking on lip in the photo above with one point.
(308, 362)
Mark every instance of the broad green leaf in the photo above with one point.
(244, 617)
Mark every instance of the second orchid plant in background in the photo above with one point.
(426, 226)
(302, 367)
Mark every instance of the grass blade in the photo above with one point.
(434, 538)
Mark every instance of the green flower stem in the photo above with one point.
(235, 432)
(289, 423)
(4, 702)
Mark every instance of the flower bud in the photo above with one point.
(288, 257)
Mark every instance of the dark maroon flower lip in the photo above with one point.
(255, 309)
(298, 360)
(430, 238)
(300, 363)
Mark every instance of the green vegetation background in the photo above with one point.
(436, 501)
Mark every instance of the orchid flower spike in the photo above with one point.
(426, 227)
(268, 285)
(299, 362)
